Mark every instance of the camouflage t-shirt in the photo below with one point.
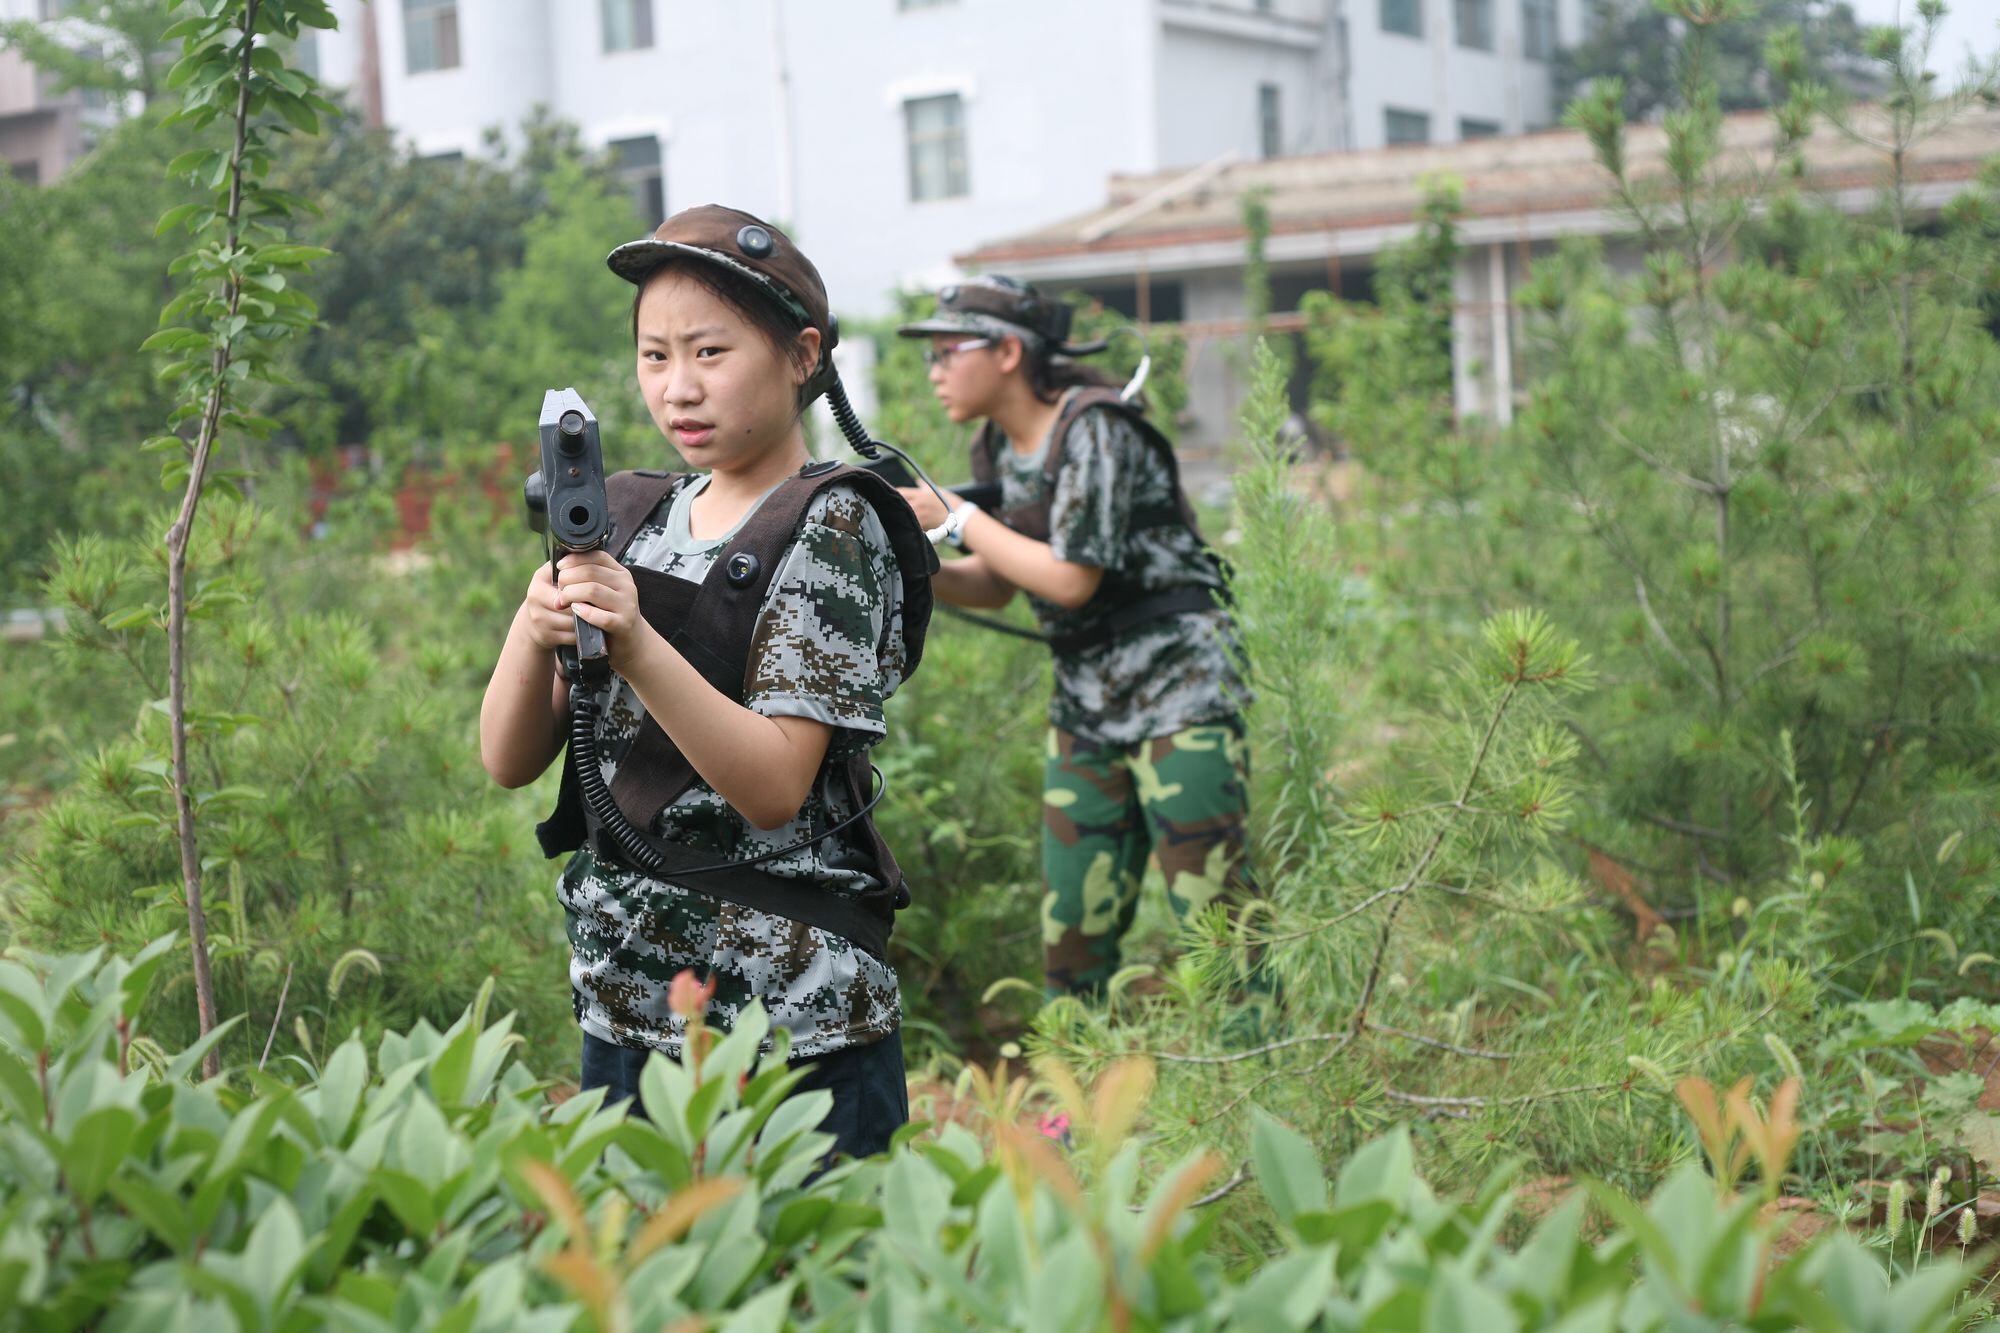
(828, 646)
(1160, 676)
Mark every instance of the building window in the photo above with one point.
(27, 173)
(1469, 128)
(936, 130)
(1403, 16)
(1538, 29)
(1270, 135)
(1475, 23)
(637, 162)
(628, 24)
(430, 34)
(1406, 126)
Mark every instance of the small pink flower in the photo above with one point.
(689, 997)
(1054, 1126)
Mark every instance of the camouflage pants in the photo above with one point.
(1183, 797)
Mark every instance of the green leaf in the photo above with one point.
(1289, 1292)
(339, 1091)
(1287, 1168)
(189, 162)
(132, 617)
(160, 1211)
(1458, 1302)
(448, 1071)
(1384, 1169)
(176, 216)
(185, 1063)
(276, 1250)
(96, 1150)
(22, 1004)
(337, 1235)
(1355, 1228)
(290, 256)
(765, 1312)
(18, 1088)
(408, 1198)
(296, 112)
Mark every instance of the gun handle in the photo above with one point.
(592, 654)
(984, 494)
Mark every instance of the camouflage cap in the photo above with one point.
(995, 307)
(745, 245)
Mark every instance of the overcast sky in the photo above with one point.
(1970, 23)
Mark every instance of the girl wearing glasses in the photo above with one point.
(1145, 753)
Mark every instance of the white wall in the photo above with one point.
(1047, 121)
(705, 89)
(1059, 95)
(1434, 74)
(503, 70)
(1208, 102)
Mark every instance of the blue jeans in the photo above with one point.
(871, 1097)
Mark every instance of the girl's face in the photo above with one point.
(714, 383)
(968, 382)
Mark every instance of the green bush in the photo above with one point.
(433, 1186)
(1752, 470)
(344, 813)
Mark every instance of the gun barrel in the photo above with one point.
(578, 512)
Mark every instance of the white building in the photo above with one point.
(889, 134)
(43, 130)
(1177, 239)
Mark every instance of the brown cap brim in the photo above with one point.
(939, 324)
(636, 261)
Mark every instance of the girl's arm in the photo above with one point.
(1027, 563)
(526, 709)
(1004, 558)
(970, 581)
(763, 766)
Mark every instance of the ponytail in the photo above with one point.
(1051, 375)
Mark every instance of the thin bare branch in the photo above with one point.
(1659, 465)
(283, 991)
(1235, 1057)
(1660, 633)
(1476, 1052)
(1522, 1099)
(178, 538)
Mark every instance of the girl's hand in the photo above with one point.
(596, 587)
(930, 513)
(543, 614)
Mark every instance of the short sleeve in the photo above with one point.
(1091, 510)
(827, 642)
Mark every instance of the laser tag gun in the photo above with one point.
(984, 494)
(567, 505)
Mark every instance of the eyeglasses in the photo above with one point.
(936, 357)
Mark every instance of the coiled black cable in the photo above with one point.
(871, 449)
